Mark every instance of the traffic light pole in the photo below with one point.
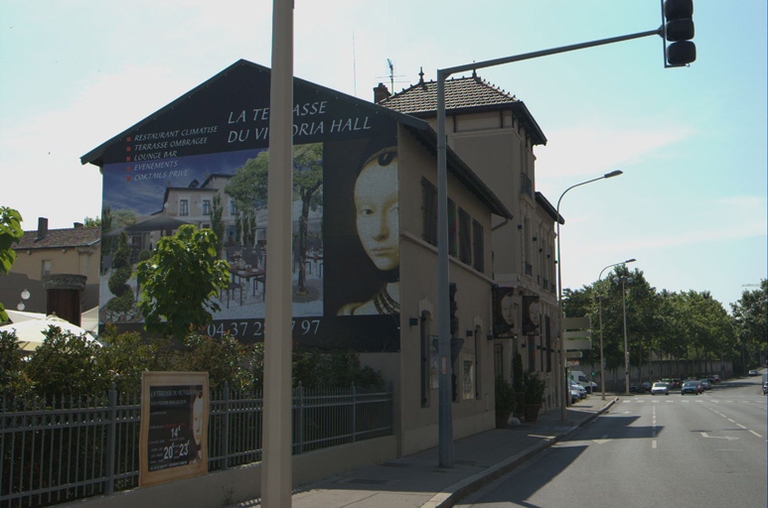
(445, 417)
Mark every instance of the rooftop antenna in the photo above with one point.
(391, 75)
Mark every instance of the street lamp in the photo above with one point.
(625, 280)
(562, 384)
(25, 294)
(600, 312)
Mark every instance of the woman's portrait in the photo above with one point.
(376, 209)
(198, 420)
(505, 312)
(531, 315)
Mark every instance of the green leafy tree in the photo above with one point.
(67, 363)
(750, 323)
(13, 379)
(181, 280)
(10, 233)
(92, 223)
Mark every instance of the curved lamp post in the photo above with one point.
(625, 280)
(600, 312)
(561, 383)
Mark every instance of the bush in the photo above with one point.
(534, 388)
(122, 304)
(505, 396)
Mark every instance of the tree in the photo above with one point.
(92, 223)
(10, 233)
(181, 280)
(750, 321)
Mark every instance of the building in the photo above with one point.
(365, 221)
(495, 134)
(56, 269)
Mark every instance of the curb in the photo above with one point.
(463, 488)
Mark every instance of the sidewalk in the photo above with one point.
(416, 481)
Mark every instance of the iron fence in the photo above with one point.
(68, 448)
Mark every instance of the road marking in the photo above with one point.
(755, 433)
(729, 438)
(730, 419)
(740, 425)
(653, 444)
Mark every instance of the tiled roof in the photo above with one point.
(460, 93)
(463, 94)
(59, 239)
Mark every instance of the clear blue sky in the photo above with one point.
(691, 205)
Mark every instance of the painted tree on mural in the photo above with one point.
(248, 188)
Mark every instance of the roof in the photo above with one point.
(463, 95)
(96, 156)
(547, 206)
(59, 239)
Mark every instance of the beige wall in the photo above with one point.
(418, 281)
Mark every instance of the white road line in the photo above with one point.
(653, 444)
(730, 420)
(755, 433)
(740, 425)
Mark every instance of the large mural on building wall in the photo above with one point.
(204, 160)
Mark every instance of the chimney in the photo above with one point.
(78, 225)
(42, 228)
(380, 93)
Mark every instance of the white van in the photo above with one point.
(579, 377)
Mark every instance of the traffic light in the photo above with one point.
(453, 307)
(678, 32)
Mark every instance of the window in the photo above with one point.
(206, 207)
(232, 207)
(183, 207)
(465, 238)
(45, 267)
(429, 211)
(478, 246)
(452, 245)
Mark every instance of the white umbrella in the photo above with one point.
(30, 333)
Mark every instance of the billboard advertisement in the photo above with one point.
(203, 160)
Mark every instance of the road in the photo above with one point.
(700, 451)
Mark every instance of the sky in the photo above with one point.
(691, 142)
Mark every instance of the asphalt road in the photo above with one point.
(698, 451)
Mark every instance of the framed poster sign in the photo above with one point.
(174, 426)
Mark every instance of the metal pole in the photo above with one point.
(561, 364)
(276, 472)
(445, 412)
(626, 344)
(600, 309)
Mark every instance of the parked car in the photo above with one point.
(575, 395)
(753, 372)
(705, 384)
(715, 378)
(580, 389)
(690, 387)
(660, 389)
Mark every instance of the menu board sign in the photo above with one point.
(174, 426)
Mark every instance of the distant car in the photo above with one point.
(660, 389)
(575, 396)
(716, 378)
(706, 384)
(753, 372)
(690, 387)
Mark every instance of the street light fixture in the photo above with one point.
(600, 312)
(625, 280)
(562, 382)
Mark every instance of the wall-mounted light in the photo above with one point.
(413, 321)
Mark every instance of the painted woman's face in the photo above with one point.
(197, 420)
(376, 203)
(508, 309)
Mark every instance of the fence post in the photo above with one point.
(111, 437)
(225, 428)
(354, 413)
(300, 426)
